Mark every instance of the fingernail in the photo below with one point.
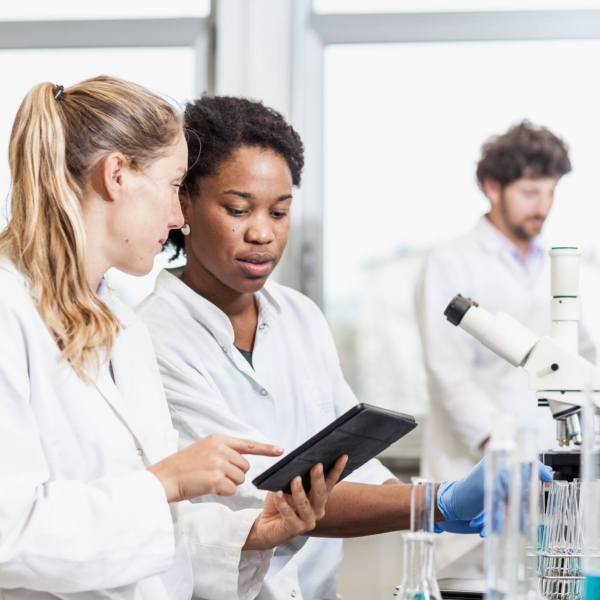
(298, 482)
(278, 449)
(319, 469)
(280, 494)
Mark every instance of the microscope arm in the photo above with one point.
(559, 376)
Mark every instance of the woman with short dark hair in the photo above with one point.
(243, 355)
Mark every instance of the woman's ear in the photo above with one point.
(112, 174)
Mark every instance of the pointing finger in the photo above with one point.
(252, 447)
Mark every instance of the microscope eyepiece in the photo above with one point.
(458, 308)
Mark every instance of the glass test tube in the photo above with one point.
(421, 505)
(512, 514)
(418, 580)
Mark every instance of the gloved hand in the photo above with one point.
(462, 500)
(500, 497)
(463, 527)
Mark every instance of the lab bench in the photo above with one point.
(463, 579)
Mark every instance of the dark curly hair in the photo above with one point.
(216, 126)
(525, 150)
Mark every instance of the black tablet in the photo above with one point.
(362, 433)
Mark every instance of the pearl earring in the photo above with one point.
(185, 229)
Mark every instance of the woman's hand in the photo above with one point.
(212, 465)
(285, 517)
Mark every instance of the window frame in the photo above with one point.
(194, 32)
(321, 30)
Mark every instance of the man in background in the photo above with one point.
(503, 266)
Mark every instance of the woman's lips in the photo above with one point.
(257, 265)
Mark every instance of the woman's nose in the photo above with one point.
(259, 232)
(176, 220)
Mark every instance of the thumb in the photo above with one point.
(545, 473)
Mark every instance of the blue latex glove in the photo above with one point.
(500, 497)
(478, 525)
(463, 527)
(462, 500)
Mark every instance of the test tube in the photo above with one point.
(512, 513)
(421, 505)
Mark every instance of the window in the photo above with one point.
(168, 70)
(73, 44)
(403, 124)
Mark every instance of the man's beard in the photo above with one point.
(517, 229)
(520, 233)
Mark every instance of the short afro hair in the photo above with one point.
(525, 150)
(217, 126)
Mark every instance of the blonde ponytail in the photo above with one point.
(53, 146)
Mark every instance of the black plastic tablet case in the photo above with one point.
(362, 433)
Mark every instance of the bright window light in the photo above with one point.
(169, 71)
(42, 10)
(403, 128)
(383, 6)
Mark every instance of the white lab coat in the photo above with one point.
(80, 516)
(294, 390)
(469, 385)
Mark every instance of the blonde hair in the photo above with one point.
(54, 145)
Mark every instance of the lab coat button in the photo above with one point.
(140, 452)
(261, 326)
(224, 349)
(293, 594)
(263, 392)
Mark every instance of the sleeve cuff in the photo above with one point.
(215, 537)
(253, 564)
(476, 442)
(284, 553)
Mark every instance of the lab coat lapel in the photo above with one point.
(121, 394)
(243, 365)
(268, 313)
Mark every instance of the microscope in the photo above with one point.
(558, 374)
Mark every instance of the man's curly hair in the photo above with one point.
(217, 126)
(525, 150)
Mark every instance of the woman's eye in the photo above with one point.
(279, 214)
(236, 212)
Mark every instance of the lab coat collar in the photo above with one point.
(114, 392)
(213, 318)
(124, 316)
(495, 242)
(269, 309)
(7, 265)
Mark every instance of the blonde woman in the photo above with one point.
(91, 485)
